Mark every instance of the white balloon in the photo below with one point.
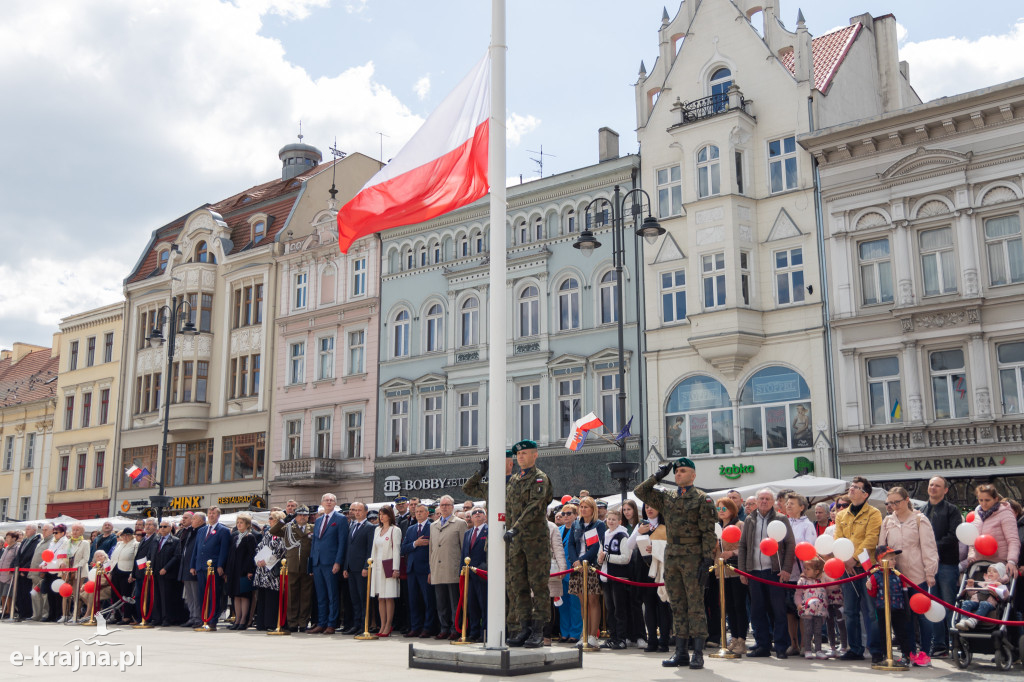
(823, 545)
(718, 530)
(967, 533)
(936, 612)
(842, 549)
(56, 585)
(777, 530)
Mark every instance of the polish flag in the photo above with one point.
(591, 537)
(442, 168)
(581, 427)
(133, 472)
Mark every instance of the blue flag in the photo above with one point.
(624, 433)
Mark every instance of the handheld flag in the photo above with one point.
(625, 432)
(590, 537)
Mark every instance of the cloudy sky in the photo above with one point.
(121, 115)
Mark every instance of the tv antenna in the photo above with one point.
(382, 136)
(540, 160)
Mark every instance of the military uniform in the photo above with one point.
(529, 556)
(298, 540)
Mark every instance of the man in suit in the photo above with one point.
(212, 543)
(416, 549)
(186, 551)
(326, 555)
(360, 546)
(166, 557)
(23, 598)
(446, 537)
(403, 518)
(147, 548)
(474, 548)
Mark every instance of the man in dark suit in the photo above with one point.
(212, 543)
(416, 550)
(360, 546)
(403, 517)
(326, 556)
(23, 599)
(186, 550)
(474, 548)
(166, 557)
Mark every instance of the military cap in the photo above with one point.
(373, 514)
(574, 500)
(601, 504)
(683, 462)
(523, 445)
(401, 499)
(345, 507)
(509, 454)
(304, 510)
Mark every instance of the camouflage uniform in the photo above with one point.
(529, 566)
(690, 525)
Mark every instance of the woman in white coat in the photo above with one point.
(122, 561)
(384, 584)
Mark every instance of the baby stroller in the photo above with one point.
(986, 638)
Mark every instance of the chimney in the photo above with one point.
(22, 349)
(887, 56)
(607, 145)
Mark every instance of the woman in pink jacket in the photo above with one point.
(995, 517)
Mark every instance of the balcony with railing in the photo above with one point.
(934, 436)
(708, 107)
(312, 470)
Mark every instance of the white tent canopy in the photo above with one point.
(120, 522)
(814, 488)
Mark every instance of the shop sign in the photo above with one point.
(393, 485)
(253, 499)
(734, 471)
(187, 502)
(946, 463)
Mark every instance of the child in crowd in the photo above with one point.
(983, 598)
(614, 558)
(812, 607)
(835, 622)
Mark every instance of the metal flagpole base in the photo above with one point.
(888, 664)
(366, 637)
(279, 632)
(142, 626)
(205, 627)
(458, 642)
(724, 653)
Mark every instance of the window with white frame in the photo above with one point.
(470, 332)
(398, 425)
(297, 364)
(478, 242)
(709, 182)
(607, 297)
(529, 412)
(538, 228)
(884, 399)
(745, 277)
(611, 412)
(569, 304)
(782, 164)
(90, 351)
(97, 469)
(30, 450)
(359, 277)
(401, 334)
(25, 501)
(938, 267)
(469, 419)
(62, 477)
(432, 421)
(529, 311)
(698, 418)
(670, 191)
(83, 458)
(325, 358)
(949, 384)
(1010, 357)
(1005, 250)
(293, 439)
(436, 250)
(322, 429)
(673, 296)
(720, 82)
(8, 453)
(875, 271)
(301, 282)
(353, 435)
(423, 256)
(463, 247)
(435, 328)
(789, 276)
(410, 260)
(357, 352)
(522, 232)
(775, 411)
(713, 276)
(570, 221)
(569, 405)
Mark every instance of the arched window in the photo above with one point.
(698, 418)
(721, 81)
(609, 294)
(529, 312)
(164, 257)
(423, 256)
(203, 254)
(470, 322)
(538, 228)
(436, 249)
(569, 304)
(708, 175)
(523, 232)
(570, 221)
(478, 242)
(409, 259)
(463, 250)
(259, 230)
(775, 411)
(402, 334)
(435, 328)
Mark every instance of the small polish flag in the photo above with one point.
(580, 429)
(591, 537)
(141, 563)
(589, 422)
(865, 559)
(133, 472)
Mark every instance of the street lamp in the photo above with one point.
(174, 311)
(650, 230)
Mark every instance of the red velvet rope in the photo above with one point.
(794, 586)
(282, 601)
(910, 583)
(109, 582)
(483, 574)
(209, 598)
(462, 599)
(147, 612)
(626, 582)
(38, 570)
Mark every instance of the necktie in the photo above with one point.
(355, 527)
(162, 541)
(476, 532)
(323, 527)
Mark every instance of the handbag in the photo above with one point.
(388, 565)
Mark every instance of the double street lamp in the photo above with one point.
(173, 315)
(650, 230)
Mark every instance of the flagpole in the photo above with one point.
(497, 340)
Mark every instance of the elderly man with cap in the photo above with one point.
(297, 535)
(690, 525)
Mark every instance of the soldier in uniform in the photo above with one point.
(297, 535)
(690, 523)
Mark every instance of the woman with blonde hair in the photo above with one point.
(587, 536)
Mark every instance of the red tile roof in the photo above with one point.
(829, 51)
(31, 379)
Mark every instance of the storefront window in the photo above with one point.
(192, 463)
(775, 411)
(244, 456)
(698, 418)
(143, 458)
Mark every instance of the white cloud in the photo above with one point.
(517, 126)
(901, 33)
(948, 66)
(422, 87)
(289, 9)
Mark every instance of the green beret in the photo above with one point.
(509, 454)
(683, 462)
(523, 445)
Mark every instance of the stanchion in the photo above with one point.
(366, 636)
(585, 636)
(722, 652)
(95, 596)
(888, 663)
(282, 615)
(74, 597)
(465, 603)
(14, 594)
(146, 608)
(210, 587)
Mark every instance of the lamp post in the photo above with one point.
(171, 314)
(650, 230)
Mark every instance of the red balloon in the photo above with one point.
(970, 517)
(89, 587)
(986, 545)
(769, 546)
(731, 534)
(66, 590)
(835, 568)
(920, 603)
(805, 551)
(566, 498)
(47, 555)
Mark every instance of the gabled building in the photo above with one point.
(736, 362)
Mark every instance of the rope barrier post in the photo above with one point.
(888, 663)
(146, 609)
(282, 616)
(210, 587)
(366, 636)
(14, 594)
(722, 652)
(465, 604)
(95, 597)
(585, 638)
(74, 598)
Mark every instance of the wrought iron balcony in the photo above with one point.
(706, 107)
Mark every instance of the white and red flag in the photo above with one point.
(442, 168)
(590, 537)
(581, 427)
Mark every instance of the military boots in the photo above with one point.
(519, 639)
(697, 660)
(680, 657)
(536, 639)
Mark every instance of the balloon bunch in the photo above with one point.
(932, 610)
(968, 533)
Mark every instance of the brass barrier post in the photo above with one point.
(366, 636)
(205, 627)
(888, 663)
(282, 584)
(14, 593)
(723, 651)
(95, 596)
(585, 639)
(142, 611)
(465, 603)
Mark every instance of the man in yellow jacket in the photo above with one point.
(860, 523)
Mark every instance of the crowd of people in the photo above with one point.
(405, 559)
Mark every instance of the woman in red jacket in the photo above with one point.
(995, 517)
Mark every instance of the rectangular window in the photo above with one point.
(86, 409)
(90, 351)
(569, 394)
(875, 271)
(257, 304)
(237, 316)
(80, 471)
(73, 357)
(738, 159)
(713, 267)
(254, 374)
(399, 426)
(300, 290)
(108, 347)
(356, 352)
(8, 453)
(97, 470)
(359, 277)
(206, 313)
(1010, 357)
(782, 164)
(247, 316)
(105, 406)
(3, 509)
(202, 374)
(293, 444)
(142, 457)
(325, 366)
(708, 172)
(670, 191)
(354, 435)
(69, 412)
(529, 412)
(243, 376)
(432, 414)
(611, 413)
(469, 419)
(244, 456)
(233, 390)
(745, 277)
(25, 501)
(884, 390)
(673, 296)
(949, 384)
(186, 382)
(322, 425)
(938, 267)
(62, 479)
(297, 368)
(789, 276)
(1005, 251)
(156, 392)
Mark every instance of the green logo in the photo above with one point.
(734, 471)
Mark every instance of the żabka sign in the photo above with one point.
(734, 471)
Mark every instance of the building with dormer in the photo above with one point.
(736, 363)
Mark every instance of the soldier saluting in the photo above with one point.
(690, 524)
